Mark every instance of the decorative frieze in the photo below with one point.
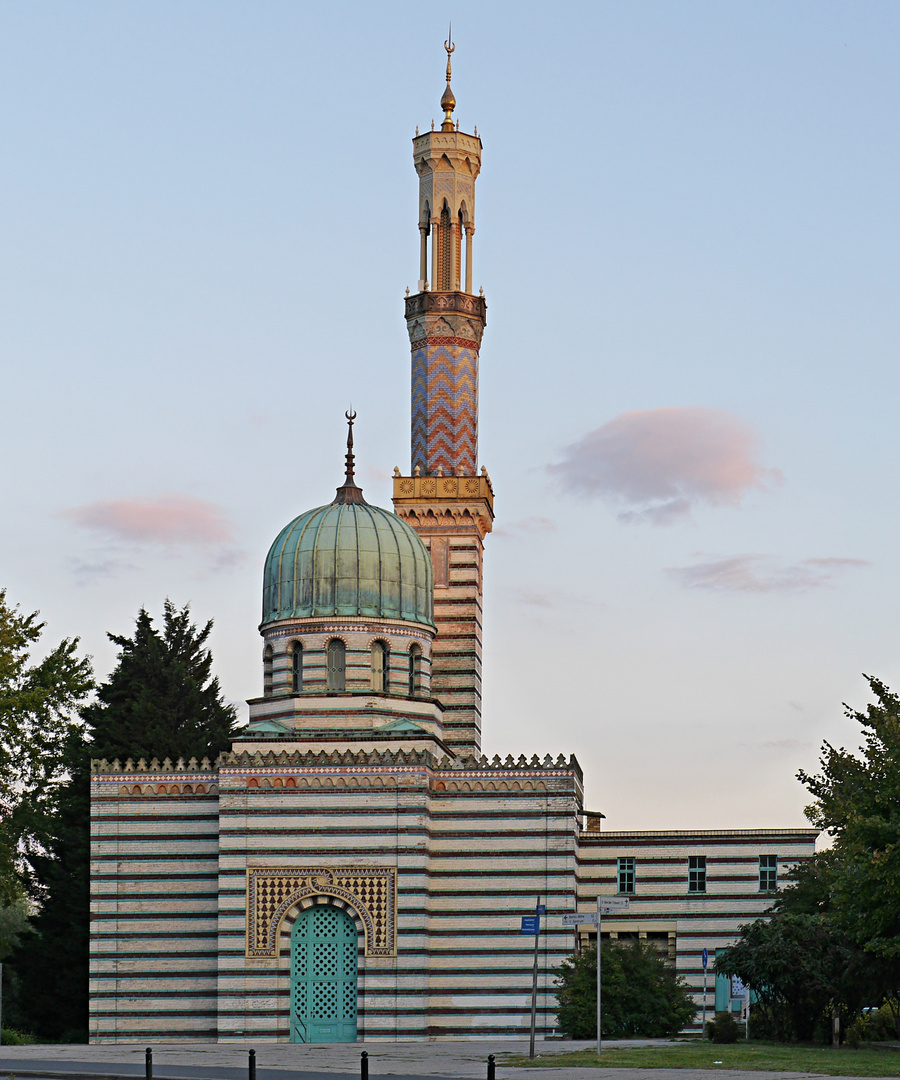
(369, 892)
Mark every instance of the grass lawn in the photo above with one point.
(770, 1057)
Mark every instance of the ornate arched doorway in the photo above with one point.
(323, 976)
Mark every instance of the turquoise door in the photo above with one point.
(323, 976)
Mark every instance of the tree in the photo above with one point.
(857, 800)
(642, 995)
(800, 967)
(38, 722)
(161, 700)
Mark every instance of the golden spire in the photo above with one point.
(448, 101)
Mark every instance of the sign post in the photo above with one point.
(531, 924)
(705, 959)
(605, 905)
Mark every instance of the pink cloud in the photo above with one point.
(526, 526)
(167, 520)
(759, 573)
(661, 462)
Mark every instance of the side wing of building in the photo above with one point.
(687, 891)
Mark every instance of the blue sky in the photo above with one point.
(687, 237)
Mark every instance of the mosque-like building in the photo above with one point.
(355, 868)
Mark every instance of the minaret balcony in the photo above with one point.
(442, 303)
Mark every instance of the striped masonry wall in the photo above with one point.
(154, 867)
(452, 515)
(470, 849)
(662, 906)
(501, 841)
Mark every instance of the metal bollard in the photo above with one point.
(148, 1064)
(364, 1066)
(252, 1065)
(492, 1068)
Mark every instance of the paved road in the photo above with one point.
(401, 1060)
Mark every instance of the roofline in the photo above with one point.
(680, 833)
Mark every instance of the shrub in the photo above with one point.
(724, 1028)
(10, 1037)
(642, 995)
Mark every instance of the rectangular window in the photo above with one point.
(625, 873)
(696, 873)
(768, 873)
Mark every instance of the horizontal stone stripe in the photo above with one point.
(158, 810)
(122, 914)
(112, 1035)
(166, 876)
(515, 831)
(210, 955)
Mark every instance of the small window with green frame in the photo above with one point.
(625, 874)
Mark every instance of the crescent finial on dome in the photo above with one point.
(349, 491)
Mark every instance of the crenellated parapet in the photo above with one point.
(300, 758)
(100, 766)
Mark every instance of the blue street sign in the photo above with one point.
(705, 959)
(541, 909)
(531, 924)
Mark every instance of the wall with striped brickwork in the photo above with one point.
(661, 903)
(470, 845)
(154, 884)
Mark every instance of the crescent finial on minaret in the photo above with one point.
(448, 101)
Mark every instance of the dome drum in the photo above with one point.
(375, 659)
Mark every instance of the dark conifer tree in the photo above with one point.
(161, 700)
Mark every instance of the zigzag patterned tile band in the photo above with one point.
(445, 405)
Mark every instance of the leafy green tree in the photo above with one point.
(38, 723)
(800, 966)
(642, 995)
(857, 800)
(161, 700)
(13, 924)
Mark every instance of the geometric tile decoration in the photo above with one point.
(445, 405)
(370, 891)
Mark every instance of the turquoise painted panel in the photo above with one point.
(723, 989)
(323, 976)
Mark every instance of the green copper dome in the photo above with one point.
(348, 558)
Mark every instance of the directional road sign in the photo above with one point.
(611, 904)
(579, 918)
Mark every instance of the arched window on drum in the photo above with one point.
(415, 669)
(336, 665)
(267, 671)
(380, 667)
(296, 668)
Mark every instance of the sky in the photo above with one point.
(687, 238)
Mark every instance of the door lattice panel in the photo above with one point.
(324, 955)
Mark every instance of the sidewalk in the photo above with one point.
(406, 1060)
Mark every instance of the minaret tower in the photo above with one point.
(445, 498)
